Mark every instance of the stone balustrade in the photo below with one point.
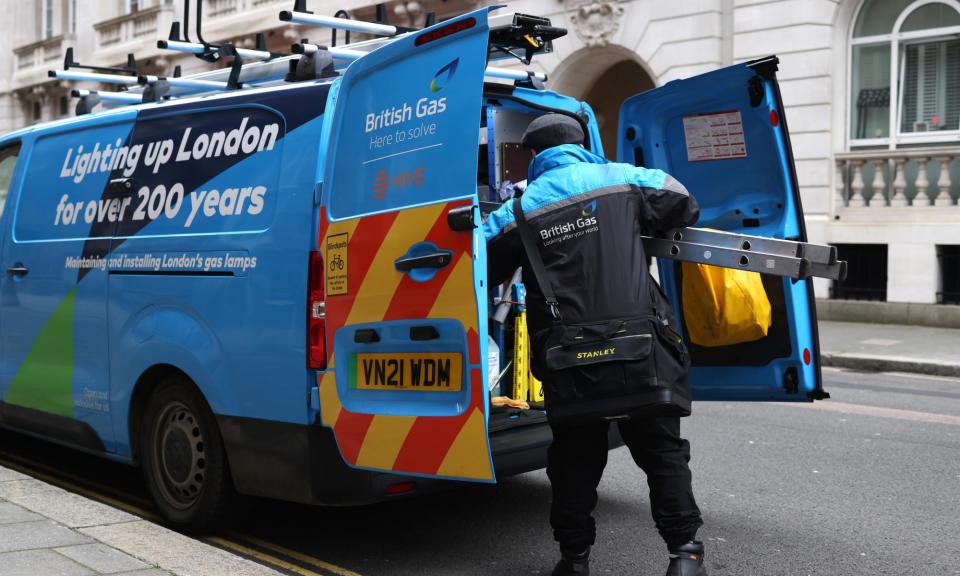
(149, 23)
(216, 8)
(222, 7)
(135, 32)
(34, 59)
(898, 178)
(39, 54)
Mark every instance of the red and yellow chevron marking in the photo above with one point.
(453, 446)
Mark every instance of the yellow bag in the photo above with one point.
(723, 306)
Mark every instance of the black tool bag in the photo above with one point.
(614, 368)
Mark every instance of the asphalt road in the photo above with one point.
(867, 483)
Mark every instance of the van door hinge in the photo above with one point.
(755, 90)
(317, 193)
(791, 381)
(313, 399)
(766, 67)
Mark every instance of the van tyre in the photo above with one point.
(182, 456)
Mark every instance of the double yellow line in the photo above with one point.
(242, 544)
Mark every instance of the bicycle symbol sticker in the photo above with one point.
(336, 264)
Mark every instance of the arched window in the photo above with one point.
(905, 72)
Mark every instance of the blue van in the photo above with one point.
(280, 290)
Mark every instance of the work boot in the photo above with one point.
(573, 564)
(687, 560)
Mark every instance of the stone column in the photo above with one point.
(841, 184)
(923, 184)
(856, 185)
(879, 181)
(899, 198)
(943, 183)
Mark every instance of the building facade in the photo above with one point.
(871, 89)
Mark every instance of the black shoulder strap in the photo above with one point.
(536, 261)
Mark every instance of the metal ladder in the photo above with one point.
(789, 258)
(797, 260)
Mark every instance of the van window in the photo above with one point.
(8, 160)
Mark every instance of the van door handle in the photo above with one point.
(120, 186)
(460, 219)
(433, 260)
(17, 270)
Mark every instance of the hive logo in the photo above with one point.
(588, 208)
(384, 182)
(444, 76)
(381, 184)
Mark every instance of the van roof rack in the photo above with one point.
(130, 68)
(205, 50)
(512, 35)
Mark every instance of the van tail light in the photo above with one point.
(316, 315)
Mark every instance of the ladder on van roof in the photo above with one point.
(512, 35)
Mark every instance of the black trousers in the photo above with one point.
(575, 464)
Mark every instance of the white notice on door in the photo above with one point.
(714, 136)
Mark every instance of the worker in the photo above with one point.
(588, 214)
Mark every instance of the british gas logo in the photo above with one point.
(573, 228)
(589, 208)
(444, 76)
(421, 109)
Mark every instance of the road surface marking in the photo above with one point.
(244, 551)
(296, 555)
(911, 375)
(880, 342)
(895, 413)
(907, 375)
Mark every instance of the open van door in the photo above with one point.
(404, 262)
(724, 135)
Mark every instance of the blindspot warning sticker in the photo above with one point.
(336, 264)
(714, 136)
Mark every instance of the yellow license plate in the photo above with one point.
(435, 371)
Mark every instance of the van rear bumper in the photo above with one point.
(303, 464)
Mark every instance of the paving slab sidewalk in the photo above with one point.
(890, 348)
(45, 530)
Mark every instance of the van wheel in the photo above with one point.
(184, 463)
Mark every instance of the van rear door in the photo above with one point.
(406, 327)
(724, 135)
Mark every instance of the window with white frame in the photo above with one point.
(905, 72)
(8, 161)
(47, 18)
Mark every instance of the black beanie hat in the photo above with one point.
(552, 130)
